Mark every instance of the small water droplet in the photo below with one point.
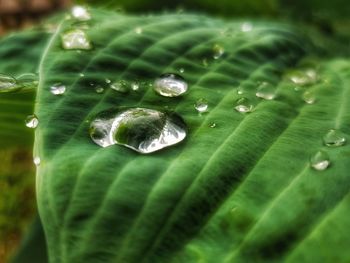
(32, 121)
(108, 81)
(309, 97)
(212, 125)
(303, 77)
(218, 51)
(138, 30)
(8, 83)
(320, 161)
(36, 160)
(58, 89)
(76, 39)
(334, 138)
(246, 27)
(80, 13)
(99, 89)
(135, 86)
(201, 105)
(143, 130)
(121, 86)
(81, 75)
(243, 105)
(181, 70)
(266, 91)
(170, 85)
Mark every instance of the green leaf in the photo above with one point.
(19, 53)
(240, 192)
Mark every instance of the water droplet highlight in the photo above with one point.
(121, 86)
(303, 77)
(135, 86)
(80, 13)
(334, 138)
(143, 130)
(243, 105)
(212, 125)
(58, 89)
(320, 161)
(218, 51)
(36, 160)
(138, 30)
(99, 89)
(201, 105)
(8, 84)
(32, 121)
(181, 70)
(266, 91)
(246, 27)
(76, 39)
(309, 97)
(170, 85)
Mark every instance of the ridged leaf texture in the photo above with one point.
(240, 192)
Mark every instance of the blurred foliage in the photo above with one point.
(17, 197)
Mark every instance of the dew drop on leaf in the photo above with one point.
(334, 138)
(135, 86)
(121, 86)
(218, 51)
(320, 161)
(212, 125)
(76, 39)
(108, 81)
(138, 30)
(201, 105)
(303, 77)
(36, 160)
(243, 105)
(266, 91)
(170, 85)
(181, 70)
(309, 97)
(99, 89)
(8, 83)
(58, 89)
(246, 27)
(80, 13)
(143, 130)
(32, 121)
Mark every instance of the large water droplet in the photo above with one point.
(334, 138)
(32, 121)
(143, 130)
(266, 91)
(76, 39)
(218, 51)
(320, 161)
(58, 89)
(170, 85)
(243, 105)
(201, 105)
(303, 77)
(121, 86)
(309, 97)
(8, 83)
(80, 13)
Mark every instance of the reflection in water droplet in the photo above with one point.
(240, 90)
(246, 27)
(80, 13)
(36, 160)
(8, 83)
(170, 85)
(334, 138)
(99, 89)
(309, 97)
(135, 86)
(266, 91)
(143, 130)
(58, 89)
(303, 77)
(138, 30)
(320, 161)
(201, 105)
(121, 86)
(32, 121)
(76, 39)
(243, 105)
(218, 51)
